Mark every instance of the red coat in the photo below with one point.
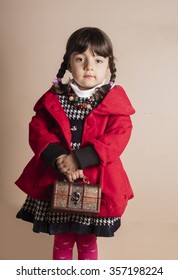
(108, 128)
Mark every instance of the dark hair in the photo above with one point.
(79, 41)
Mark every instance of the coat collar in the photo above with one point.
(115, 102)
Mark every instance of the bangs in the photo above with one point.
(93, 38)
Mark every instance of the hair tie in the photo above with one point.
(111, 83)
(56, 81)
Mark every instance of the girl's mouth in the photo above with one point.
(88, 76)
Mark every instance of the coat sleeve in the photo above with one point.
(112, 143)
(41, 135)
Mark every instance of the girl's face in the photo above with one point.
(88, 69)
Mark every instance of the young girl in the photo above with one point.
(80, 129)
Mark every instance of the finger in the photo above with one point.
(61, 163)
(74, 176)
(67, 172)
(80, 173)
(63, 167)
(64, 170)
(69, 178)
(60, 159)
(70, 162)
(61, 156)
(68, 166)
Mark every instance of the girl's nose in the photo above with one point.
(88, 66)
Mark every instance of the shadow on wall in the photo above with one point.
(16, 235)
(19, 242)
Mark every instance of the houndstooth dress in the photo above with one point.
(38, 211)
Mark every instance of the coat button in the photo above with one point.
(91, 121)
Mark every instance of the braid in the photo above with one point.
(103, 90)
(58, 86)
(113, 70)
(63, 68)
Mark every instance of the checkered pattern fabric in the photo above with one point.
(41, 211)
(71, 111)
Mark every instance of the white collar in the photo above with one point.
(84, 93)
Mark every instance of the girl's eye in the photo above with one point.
(79, 59)
(99, 61)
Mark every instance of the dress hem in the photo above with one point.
(65, 227)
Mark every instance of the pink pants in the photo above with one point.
(64, 244)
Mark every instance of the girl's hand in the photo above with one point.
(75, 175)
(67, 164)
(59, 160)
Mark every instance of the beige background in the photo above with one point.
(145, 38)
